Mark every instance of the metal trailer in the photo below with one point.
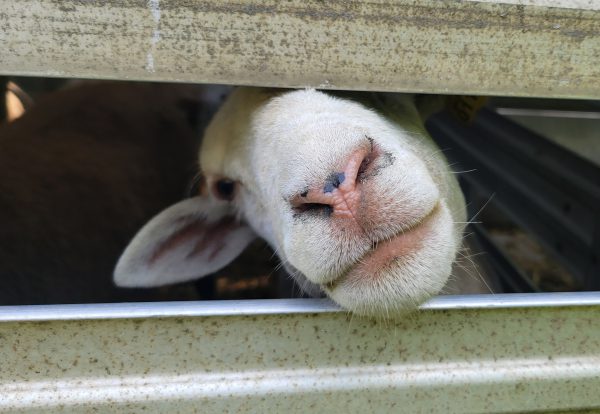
(489, 353)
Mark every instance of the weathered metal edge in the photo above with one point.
(535, 359)
(276, 306)
(525, 48)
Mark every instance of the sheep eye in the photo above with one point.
(224, 189)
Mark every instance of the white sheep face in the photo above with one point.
(357, 204)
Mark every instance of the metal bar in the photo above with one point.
(549, 113)
(544, 188)
(145, 310)
(468, 361)
(533, 48)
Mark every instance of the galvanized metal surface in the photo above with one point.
(470, 360)
(572, 4)
(277, 307)
(576, 131)
(516, 47)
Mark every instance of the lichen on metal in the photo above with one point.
(516, 47)
(475, 360)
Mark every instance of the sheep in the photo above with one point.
(350, 191)
(80, 172)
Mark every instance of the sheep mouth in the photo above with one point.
(384, 254)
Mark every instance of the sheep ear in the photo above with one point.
(188, 240)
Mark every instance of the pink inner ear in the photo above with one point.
(214, 237)
(207, 236)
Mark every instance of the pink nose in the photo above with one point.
(340, 194)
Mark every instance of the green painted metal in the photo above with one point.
(467, 361)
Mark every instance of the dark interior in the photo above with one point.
(91, 161)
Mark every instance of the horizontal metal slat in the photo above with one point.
(533, 48)
(469, 360)
(257, 307)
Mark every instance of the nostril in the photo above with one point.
(339, 192)
(365, 166)
(362, 170)
(312, 203)
(313, 209)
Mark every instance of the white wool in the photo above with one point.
(277, 143)
(276, 146)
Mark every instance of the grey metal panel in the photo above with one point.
(463, 360)
(523, 48)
